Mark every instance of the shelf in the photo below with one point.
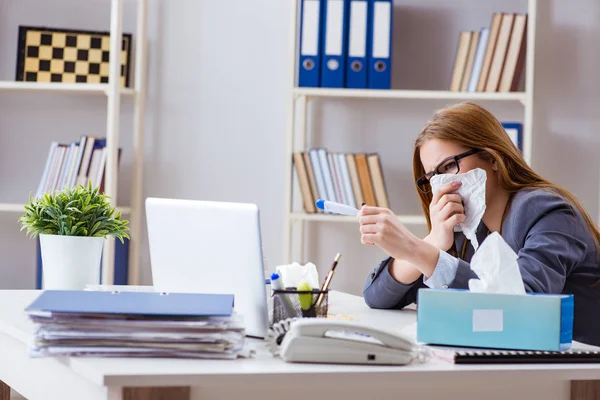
(405, 219)
(75, 88)
(18, 208)
(409, 94)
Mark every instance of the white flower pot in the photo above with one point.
(70, 262)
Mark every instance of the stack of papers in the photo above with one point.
(136, 324)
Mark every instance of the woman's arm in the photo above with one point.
(382, 290)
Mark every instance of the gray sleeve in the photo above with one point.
(543, 230)
(382, 291)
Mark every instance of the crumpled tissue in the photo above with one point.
(472, 192)
(495, 263)
(293, 274)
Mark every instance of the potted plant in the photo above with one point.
(72, 225)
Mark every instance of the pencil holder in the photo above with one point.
(292, 303)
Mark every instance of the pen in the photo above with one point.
(277, 284)
(328, 280)
(336, 208)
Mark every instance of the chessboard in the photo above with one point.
(68, 56)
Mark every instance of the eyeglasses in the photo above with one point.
(449, 166)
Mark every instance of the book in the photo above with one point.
(364, 177)
(352, 170)
(489, 51)
(303, 180)
(460, 61)
(478, 62)
(515, 55)
(376, 174)
(500, 53)
(311, 177)
(464, 85)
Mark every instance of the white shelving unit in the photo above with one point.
(297, 132)
(113, 92)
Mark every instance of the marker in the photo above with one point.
(336, 208)
(277, 284)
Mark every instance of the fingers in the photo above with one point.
(447, 188)
(369, 219)
(370, 210)
(368, 239)
(451, 209)
(455, 220)
(448, 198)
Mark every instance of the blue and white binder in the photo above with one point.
(380, 41)
(335, 34)
(133, 303)
(514, 130)
(310, 44)
(356, 69)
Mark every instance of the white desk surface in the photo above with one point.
(263, 368)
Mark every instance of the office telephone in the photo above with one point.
(343, 342)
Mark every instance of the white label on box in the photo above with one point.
(335, 27)
(358, 29)
(310, 28)
(381, 29)
(488, 321)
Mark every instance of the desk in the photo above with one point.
(266, 377)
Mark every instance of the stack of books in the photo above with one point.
(135, 324)
(492, 59)
(345, 178)
(74, 164)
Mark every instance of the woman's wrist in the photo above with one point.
(425, 256)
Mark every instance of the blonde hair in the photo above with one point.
(472, 126)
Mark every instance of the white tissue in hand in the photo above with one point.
(293, 274)
(472, 192)
(495, 263)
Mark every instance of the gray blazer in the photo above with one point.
(556, 250)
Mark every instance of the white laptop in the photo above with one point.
(210, 247)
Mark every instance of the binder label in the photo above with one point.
(488, 321)
(381, 29)
(310, 28)
(358, 29)
(335, 27)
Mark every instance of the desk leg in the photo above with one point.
(148, 393)
(4, 391)
(585, 390)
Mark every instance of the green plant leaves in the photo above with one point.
(81, 211)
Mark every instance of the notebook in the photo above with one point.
(526, 357)
(143, 304)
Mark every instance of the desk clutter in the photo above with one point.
(135, 324)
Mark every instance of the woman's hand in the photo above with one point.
(380, 227)
(446, 211)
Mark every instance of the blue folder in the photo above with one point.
(380, 44)
(356, 68)
(310, 43)
(334, 37)
(142, 304)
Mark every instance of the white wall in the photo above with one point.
(216, 119)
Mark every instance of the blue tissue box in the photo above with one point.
(504, 321)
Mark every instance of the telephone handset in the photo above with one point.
(326, 341)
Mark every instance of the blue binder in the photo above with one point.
(356, 68)
(310, 43)
(133, 303)
(515, 131)
(380, 44)
(335, 34)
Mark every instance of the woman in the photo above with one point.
(553, 236)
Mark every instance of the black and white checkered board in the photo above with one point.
(68, 56)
